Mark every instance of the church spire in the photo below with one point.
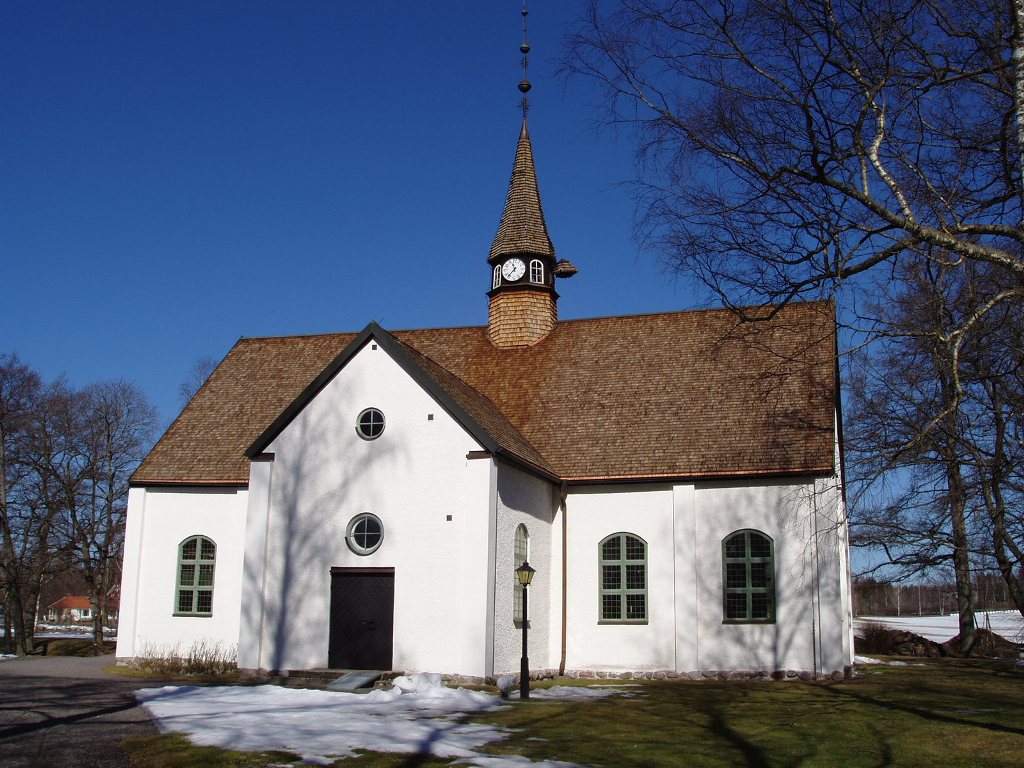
(522, 228)
(523, 303)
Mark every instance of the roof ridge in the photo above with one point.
(288, 336)
(698, 310)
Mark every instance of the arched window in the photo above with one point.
(496, 280)
(536, 271)
(748, 578)
(623, 579)
(520, 554)
(196, 556)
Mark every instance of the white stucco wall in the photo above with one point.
(684, 526)
(593, 513)
(784, 511)
(414, 477)
(524, 499)
(835, 596)
(159, 519)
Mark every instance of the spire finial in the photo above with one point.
(525, 86)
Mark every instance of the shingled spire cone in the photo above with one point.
(523, 229)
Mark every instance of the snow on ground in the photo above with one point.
(417, 716)
(564, 692)
(1009, 624)
(866, 660)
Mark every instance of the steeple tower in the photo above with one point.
(523, 301)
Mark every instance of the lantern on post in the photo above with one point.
(525, 575)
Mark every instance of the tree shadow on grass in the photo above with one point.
(925, 714)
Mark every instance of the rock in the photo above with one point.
(986, 644)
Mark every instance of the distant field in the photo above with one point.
(1009, 624)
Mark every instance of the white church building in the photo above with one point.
(361, 500)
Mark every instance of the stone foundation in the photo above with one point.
(285, 677)
(709, 674)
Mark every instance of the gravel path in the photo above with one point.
(65, 711)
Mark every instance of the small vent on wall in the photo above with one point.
(373, 346)
(430, 417)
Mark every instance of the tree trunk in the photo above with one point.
(961, 557)
(1018, 80)
(8, 640)
(98, 615)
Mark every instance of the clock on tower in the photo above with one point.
(513, 269)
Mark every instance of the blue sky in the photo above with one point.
(176, 175)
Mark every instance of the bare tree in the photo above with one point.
(95, 438)
(993, 437)
(790, 145)
(197, 376)
(66, 456)
(905, 384)
(952, 452)
(27, 533)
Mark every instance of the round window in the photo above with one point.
(370, 424)
(364, 534)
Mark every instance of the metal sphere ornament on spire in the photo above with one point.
(525, 85)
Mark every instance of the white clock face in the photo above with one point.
(513, 269)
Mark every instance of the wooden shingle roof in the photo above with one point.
(672, 395)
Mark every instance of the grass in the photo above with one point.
(174, 749)
(225, 678)
(934, 713)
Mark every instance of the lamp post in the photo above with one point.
(525, 574)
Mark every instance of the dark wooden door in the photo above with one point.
(362, 619)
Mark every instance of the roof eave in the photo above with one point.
(133, 483)
(822, 471)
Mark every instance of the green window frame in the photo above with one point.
(197, 557)
(520, 555)
(748, 578)
(622, 577)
